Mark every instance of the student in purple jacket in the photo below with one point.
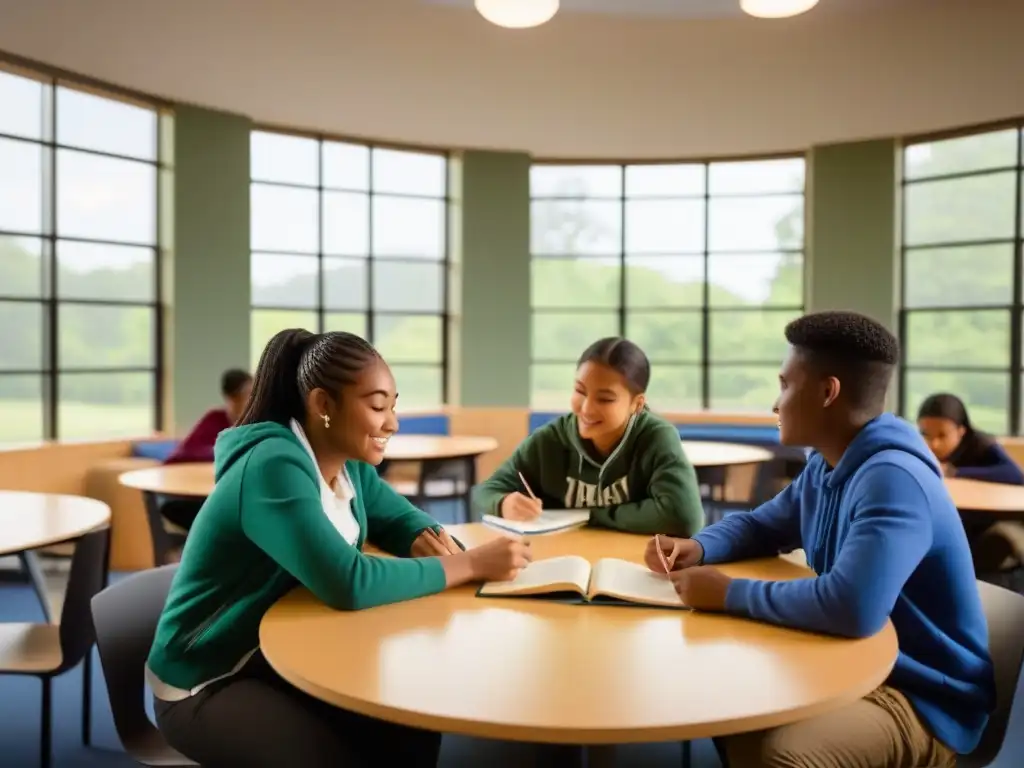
(963, 451)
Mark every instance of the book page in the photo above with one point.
(554, 574)
(548, 521)
(633, 583)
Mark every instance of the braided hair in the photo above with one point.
(294, 363)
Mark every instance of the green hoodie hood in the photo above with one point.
(601, 480)
(236, 442)
(645, 484)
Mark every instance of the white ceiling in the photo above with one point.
(684, 9)
(583, 86)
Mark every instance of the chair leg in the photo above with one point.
(45, 737)
(687, 754)
(30, 562)
(87, 698)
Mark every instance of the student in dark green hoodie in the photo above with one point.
(296, 498)
(610, 455)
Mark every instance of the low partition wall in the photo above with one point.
(91, 468)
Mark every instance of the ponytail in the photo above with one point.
(294, 363)
(276, 394)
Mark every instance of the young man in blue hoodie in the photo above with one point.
(881, 533)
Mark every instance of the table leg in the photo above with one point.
(34, 571)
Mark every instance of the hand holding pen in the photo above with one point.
(516, 506)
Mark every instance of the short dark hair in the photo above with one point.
(294, 363)
(859, 351)
(233, 380)
(622, 356)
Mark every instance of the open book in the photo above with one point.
(572, 579)
(549, 521)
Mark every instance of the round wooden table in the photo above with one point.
(34, 520)
(997, 499)
(196, 480)
(529, 670)
(192, 480)
(711, 454)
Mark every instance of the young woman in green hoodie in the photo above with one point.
(296, 498)
(610, 455)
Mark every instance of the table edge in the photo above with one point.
(583, 736)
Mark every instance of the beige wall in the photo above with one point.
(582, 86)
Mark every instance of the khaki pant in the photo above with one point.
(879, 731)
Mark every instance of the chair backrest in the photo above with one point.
(1004, 611)
(85, 579)
(125, 615)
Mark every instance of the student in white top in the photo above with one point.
(296, 498)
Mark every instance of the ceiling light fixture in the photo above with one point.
(776, 9)
(517, 14)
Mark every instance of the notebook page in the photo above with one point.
(633, 582)
(540, 575)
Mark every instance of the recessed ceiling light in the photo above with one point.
(776, 9)
(517, 14)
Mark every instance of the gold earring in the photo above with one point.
(327, 421)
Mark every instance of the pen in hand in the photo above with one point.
(526, 485)
(661, 553)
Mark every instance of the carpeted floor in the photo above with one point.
(20, 713)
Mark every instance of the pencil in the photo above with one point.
(526, 485)
(661, 552)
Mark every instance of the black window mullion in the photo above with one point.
(51, 333)
(445, 276)
(321, 313)
(622, 250)
(159, 386)
(705, 323)
(371, 311)
(1016, 339)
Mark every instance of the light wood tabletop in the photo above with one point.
(712, 454)
(197, 479)
(430, 447)
(174, 479)
(33, 520)
(529, 670)
(977, 496)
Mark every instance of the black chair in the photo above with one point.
(442, 480)
(48, 650)
(126, 615)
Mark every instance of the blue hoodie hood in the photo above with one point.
(884, 433)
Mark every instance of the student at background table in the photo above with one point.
(963, 451)
(197, 445)
(296, 497)
(610, 455)
(881, 532)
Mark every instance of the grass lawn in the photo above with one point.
(21, 421)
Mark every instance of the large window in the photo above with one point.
(700, 264)
(353, 238)
(961, 312)
(79, 263)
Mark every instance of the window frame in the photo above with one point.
(1015, 308)
(705, 310)
(319, 309)
(49, 298)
